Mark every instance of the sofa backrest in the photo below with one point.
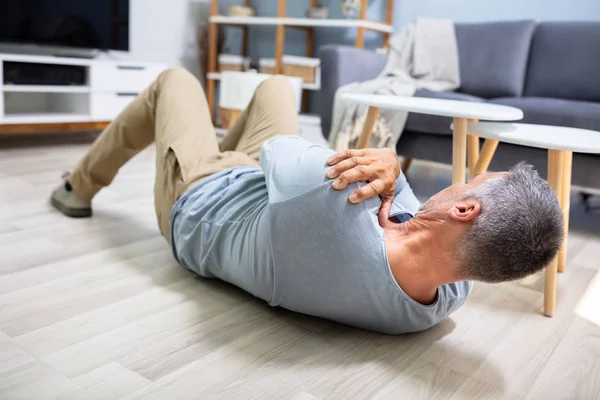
(493, 57)
(565, 61)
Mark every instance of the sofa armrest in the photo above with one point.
(341, 65)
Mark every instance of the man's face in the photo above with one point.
(446, 198)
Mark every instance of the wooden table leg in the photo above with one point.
(367, 131)
(485, 156)
(459, 150)
(472, 151)
(556, 160)
(565, 205)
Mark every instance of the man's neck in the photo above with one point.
(417, 259)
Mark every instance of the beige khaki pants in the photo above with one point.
(173, 112)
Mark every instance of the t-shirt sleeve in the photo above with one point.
(404, 197)
(293, 166)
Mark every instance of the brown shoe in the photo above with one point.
(66, 201)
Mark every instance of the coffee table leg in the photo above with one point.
(556, 160)
(472, 150)
(367, 132)
(459, 150)
(565, 205)
(472, 153)
(485, 156)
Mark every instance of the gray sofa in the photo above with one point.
(550, 70)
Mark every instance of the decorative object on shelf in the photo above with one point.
(350, 8)
(233, 62)
(319, 12)
(301, 67)
(238, 10)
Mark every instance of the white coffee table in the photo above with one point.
(461, 111)
(560, 142)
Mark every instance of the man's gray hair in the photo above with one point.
(518, 231)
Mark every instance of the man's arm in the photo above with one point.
(292, 166)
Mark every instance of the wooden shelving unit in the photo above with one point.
(281, 22)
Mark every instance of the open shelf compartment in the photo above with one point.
(33, 107)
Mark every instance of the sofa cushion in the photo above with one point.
(432, 123)
(547, 111)
(565, 61)
(493, 57)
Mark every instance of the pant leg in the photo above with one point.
(136, 127)
(271, 112)
(173, 111)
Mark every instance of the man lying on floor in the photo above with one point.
(296, 225)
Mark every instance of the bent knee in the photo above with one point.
(176, 73)
(277, 83)
(277, 87)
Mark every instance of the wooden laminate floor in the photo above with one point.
(97, 309)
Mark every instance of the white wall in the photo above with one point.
(486, 10)
(164, 31)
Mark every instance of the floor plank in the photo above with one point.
(12, 356)
(474, 389)
(577, 378)
(67, 333)
(34, 380)
(111, 381)
(82, 294)
(4, 337)
(424, 380)
(587, 256)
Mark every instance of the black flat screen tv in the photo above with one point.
(82, 24)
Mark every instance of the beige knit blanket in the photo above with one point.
(423, 55)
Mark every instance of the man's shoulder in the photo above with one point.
(293, 166)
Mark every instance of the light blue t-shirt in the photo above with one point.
(281, 233)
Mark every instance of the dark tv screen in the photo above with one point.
(84, 24)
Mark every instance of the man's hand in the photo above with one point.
(378, 167)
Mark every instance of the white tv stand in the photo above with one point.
(110, 86)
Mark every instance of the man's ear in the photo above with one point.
(465, 210)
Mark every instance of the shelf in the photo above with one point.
(309, 119)
(43, 118)
(307, 22)
(307, 86)
(280, 21)
(45, 89)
